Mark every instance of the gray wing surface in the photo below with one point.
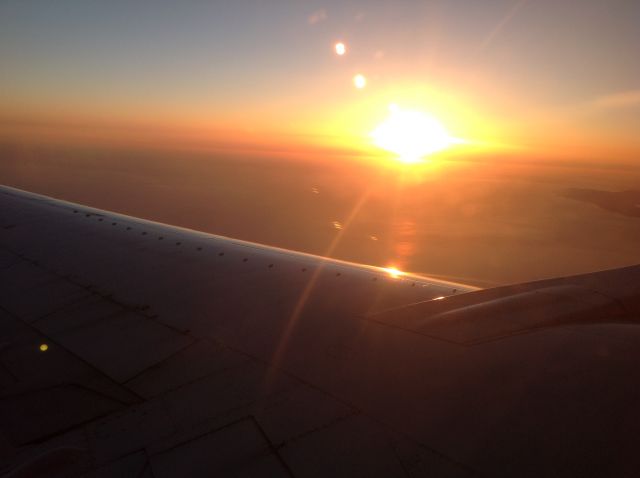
(132, 348)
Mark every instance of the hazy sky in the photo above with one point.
(547, 77)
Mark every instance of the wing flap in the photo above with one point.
(479, 320)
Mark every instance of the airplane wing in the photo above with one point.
(132, 348)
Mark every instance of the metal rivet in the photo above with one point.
(178, 243)
(199, 248)
(338, 274)
(270, 266)
(304, 269)
(221, 254)
(245, 259)
(75, 211)
(113, 223)
(128, 228)
(144, 233)
(100, 219)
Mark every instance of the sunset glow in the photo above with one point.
(222, 76)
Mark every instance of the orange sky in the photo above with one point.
(514, 77)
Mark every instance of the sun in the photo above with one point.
(412, 135)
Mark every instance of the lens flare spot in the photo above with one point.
(411, 135)
(44, 347)
(359, 81)
(340, 48)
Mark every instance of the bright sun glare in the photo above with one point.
(393, 272)
(412, 135)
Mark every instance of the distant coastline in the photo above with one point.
(626, 203)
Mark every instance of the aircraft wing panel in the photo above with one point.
(134, 347)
